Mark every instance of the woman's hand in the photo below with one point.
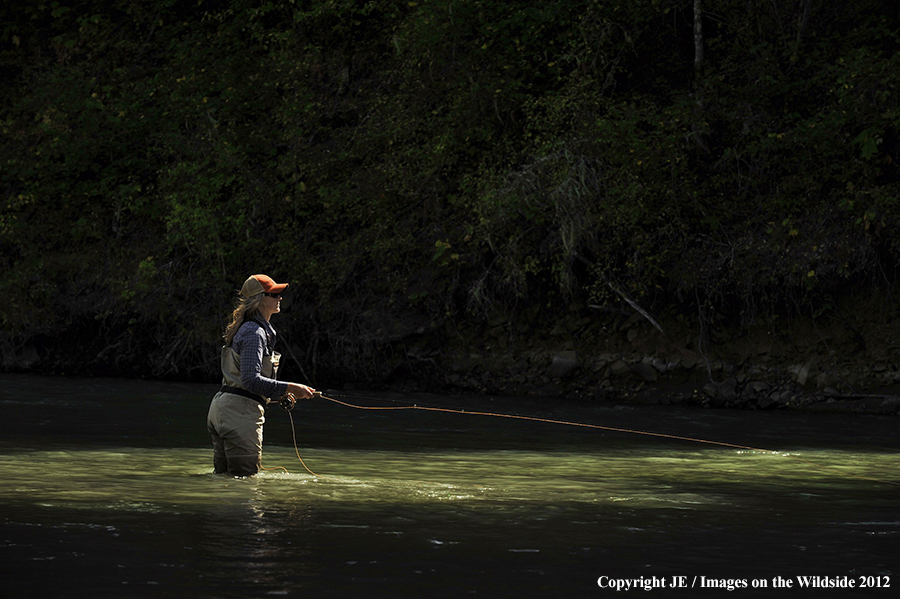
(300, 391)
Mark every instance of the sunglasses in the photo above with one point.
(272, 294)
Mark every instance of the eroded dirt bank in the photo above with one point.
(847, 363)
(838, 364)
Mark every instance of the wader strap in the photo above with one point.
(244, 393)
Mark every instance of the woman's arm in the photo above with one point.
(252, 350)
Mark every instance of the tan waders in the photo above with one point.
(236, 417)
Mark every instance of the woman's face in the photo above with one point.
(270, 305)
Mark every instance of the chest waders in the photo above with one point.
(231, 373)
(236, 416)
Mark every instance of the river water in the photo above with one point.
(107, 491)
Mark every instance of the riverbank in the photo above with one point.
(504, 201)
(687, 380)
(848, 364)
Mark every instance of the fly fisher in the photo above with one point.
(249, 380)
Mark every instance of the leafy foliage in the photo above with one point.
(405, 163)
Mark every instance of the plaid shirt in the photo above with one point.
(255, 339)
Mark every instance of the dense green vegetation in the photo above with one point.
(411, 167)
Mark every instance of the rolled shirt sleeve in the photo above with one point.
(250, 343)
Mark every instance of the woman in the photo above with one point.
(249, 367)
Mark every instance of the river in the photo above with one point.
(107, 491)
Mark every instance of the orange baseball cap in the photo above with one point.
(256, 284)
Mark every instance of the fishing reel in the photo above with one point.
(287, 402)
